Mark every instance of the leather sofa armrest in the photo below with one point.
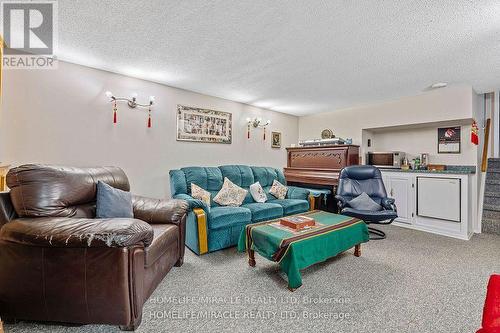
(295, 192)
(77, 232)
(388, 203)
(158, 211)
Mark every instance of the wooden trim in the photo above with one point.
(3, 172)
(357, 250)
(201, 219)
(1, 67)
(484, 161)
(312, 202)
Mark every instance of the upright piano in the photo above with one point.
(319, 166)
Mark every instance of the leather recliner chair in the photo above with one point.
(356, 179)
(59, 263)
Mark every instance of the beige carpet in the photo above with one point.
(410, 282)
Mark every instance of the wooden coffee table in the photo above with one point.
(296, 250)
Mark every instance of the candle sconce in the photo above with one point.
(257, 123)
(131, 102)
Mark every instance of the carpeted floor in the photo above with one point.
(410, 282)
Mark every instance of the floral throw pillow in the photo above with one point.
(230, 194)
(200, 194)
(278, 190)
(257, 192)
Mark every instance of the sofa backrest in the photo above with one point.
(208, 178)
(241, 175)
(55, 191)
(212, 178)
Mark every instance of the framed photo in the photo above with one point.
(449, 140)
(276, 139)
(203, 125)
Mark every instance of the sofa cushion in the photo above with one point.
(264, 175)
(264, 211)
(364, 202)
(240, 175)
(165, 237)
(258, 193)
(45, 190)
(278, 190)
(208, 178)
(292, 206)
(230, 194)
(222, 217)
(200, 194)
(370, 216)
(112, 202)
(77, 232)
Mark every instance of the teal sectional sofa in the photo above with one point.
(218, 227)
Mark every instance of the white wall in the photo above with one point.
(409, 124)
(414, 141)
(453, 103)
(62, 117)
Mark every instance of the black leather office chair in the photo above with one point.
(353, 181)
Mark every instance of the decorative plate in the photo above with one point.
(327, 134)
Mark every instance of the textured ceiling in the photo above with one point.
(297, 57)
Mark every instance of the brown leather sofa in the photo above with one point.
(59, 263)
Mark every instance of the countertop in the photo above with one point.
(450, 169)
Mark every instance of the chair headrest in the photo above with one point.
(360, 172)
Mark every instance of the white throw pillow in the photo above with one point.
(230, 194)
(200, 194)
(278, 190)
(258, 193)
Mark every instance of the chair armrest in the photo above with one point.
(388, 203)
(295, 192)
(342, 202)
(192, 202)
(158, 211)
(77, 232)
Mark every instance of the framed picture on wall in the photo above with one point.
(276, 139)
(449, 140)
(203, 125)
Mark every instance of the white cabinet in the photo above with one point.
(441, 205)
(439, 198)
(400, 188)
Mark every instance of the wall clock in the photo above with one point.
(327, 134)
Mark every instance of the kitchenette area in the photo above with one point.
(439, 193)
(437, 201)
(431, 173)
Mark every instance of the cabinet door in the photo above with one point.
(401, 190)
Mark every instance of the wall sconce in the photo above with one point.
(257, 123)
(131, 102)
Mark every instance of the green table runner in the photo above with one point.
(297, 250)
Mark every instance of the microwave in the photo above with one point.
(387, 159)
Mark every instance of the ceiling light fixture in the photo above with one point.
(438, 85)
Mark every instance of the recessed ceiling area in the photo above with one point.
(296, 57)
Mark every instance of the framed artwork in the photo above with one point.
(449, 140)
(276, 139)
(203, 125)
